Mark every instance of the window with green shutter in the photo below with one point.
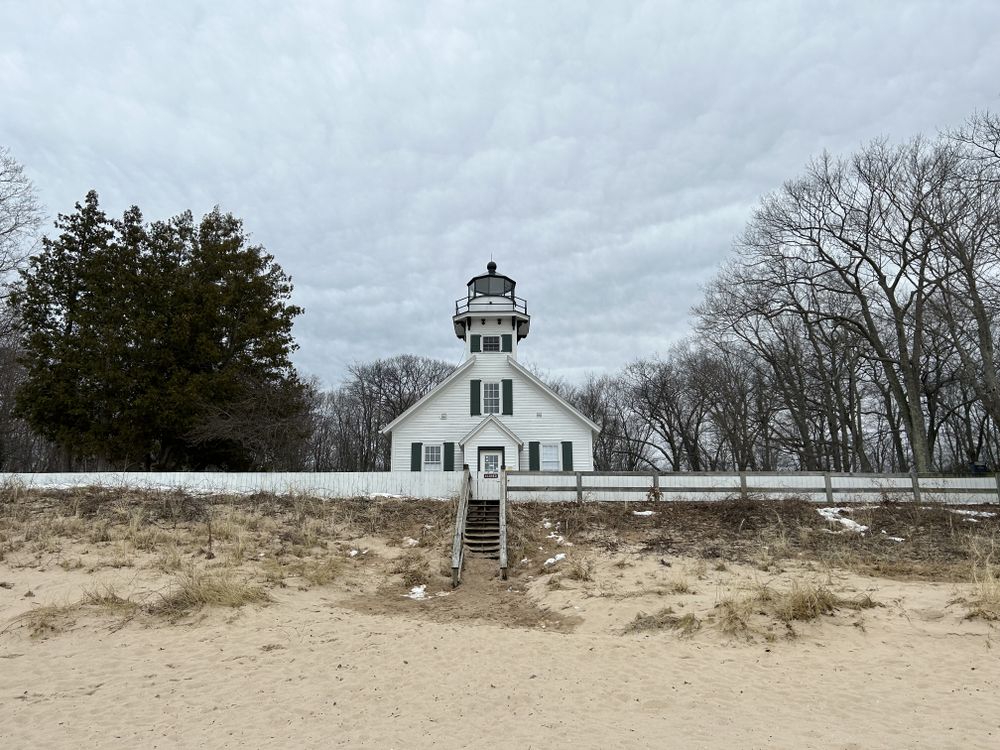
(449, 457)
(475, 406)
(534, 459)
(507, 343)
(474, 345)
(416, 456)
(507, 402)
(567, 450)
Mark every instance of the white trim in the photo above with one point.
(492, 419)
(541, 456)
(482, 398)
(406, 414)
(439, 466)
(568, 406)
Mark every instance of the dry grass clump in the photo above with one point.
(579, 570)
(44, 620)
(801, 602)
(195, 588)
(317, 571)
(665, 619)
(985, 600)
(806, 601)
(412, 567)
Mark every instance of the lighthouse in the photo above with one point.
(491, 413)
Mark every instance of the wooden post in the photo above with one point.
(915, 479)
(743, 485)
(579, 487)
(828, 483)
(656, 486)
(996, 478)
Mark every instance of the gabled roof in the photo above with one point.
(454, 374)
(517, 367)
(491, 419)
(565, 404)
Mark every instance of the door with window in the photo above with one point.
(488, 481)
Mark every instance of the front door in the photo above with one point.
(490, 464)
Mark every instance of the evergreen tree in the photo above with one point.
(159, 345)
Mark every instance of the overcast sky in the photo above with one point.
(604, 154)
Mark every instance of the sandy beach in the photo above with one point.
(553, 657)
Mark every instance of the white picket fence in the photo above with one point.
(549, 486)
(421, 484)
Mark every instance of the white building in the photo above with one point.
(491, 412)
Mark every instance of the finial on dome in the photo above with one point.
(491, 267)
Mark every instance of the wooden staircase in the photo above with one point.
(482, 528)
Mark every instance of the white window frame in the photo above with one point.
(499, 397)
(492, 340)
(553, 465)
(434, 465)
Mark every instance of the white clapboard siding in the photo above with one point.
(446, 417)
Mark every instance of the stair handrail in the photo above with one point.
(458, 544)
(503, 524)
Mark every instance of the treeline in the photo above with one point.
(852, 329)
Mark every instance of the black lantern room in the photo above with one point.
(491, 294)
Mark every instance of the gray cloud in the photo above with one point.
(605, 154)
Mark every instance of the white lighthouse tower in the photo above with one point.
(491, 318)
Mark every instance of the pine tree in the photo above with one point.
(158, 345)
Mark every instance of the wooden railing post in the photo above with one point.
(579, 487)
(915, 479)
(743, 485)
(828, 484)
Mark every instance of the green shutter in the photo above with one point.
(507, 342)
(416, 456)
(476, 347)
(534, 456)
(567, 448)
(449, 457)
(507, 388)
(475, 402)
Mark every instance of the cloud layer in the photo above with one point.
(604, 154)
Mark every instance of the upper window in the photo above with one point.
(491, 398)
(491, 343)
(550, 457)
(432, 458)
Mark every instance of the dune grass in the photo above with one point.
(665, 619)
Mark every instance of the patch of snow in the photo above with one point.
(893, 538)
(559, 539)
(553, 560)
(352, 553)
(417, 592)
(974, 513)
(833, 516)
(546, 523)
(409, 541)
(377, 495)
(971, 520)
(642, 512)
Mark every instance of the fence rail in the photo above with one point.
(822, 487)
